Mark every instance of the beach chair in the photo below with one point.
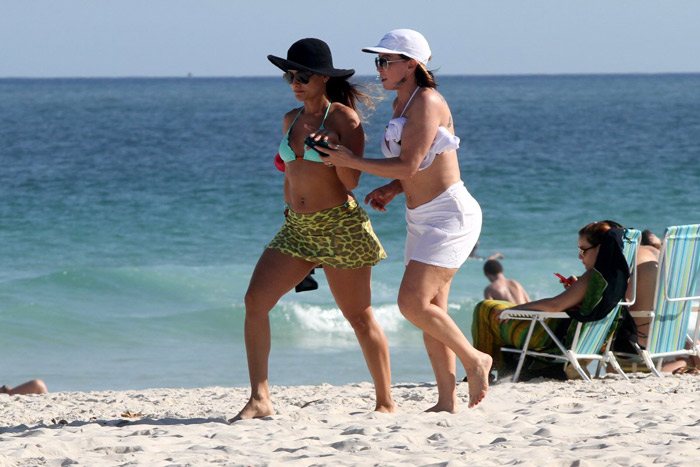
(589, 338)
(677, 278)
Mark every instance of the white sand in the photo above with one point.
(573, 423)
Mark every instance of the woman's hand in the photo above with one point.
(335, 154)
(322, 134)
(569, 281)
(380, 197)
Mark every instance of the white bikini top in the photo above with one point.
(391, 147)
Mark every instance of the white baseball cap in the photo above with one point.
(403, 41)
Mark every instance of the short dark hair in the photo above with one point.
(492, 267)
(648, 238)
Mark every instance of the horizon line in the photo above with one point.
(474, 75)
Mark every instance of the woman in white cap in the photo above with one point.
(323, 223)
(444, 221)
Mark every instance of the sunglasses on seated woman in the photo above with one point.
(581, 251)
(382, 63)
(301, 76)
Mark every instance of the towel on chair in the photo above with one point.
(489, 333)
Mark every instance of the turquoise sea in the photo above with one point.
(132, 212)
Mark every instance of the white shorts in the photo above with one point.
(444, 231)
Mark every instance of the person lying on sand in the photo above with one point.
(35, 386)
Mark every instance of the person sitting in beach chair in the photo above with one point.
(652, 303)
(634, 330)
(590, 297)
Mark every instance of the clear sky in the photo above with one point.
(86, 38)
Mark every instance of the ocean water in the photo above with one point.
(132, 212)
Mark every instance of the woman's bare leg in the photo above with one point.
(420, 285)
(352, 292)
(443, 362)
(274, 275)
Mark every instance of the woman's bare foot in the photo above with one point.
(478, 379)
(450, 408)
(255, 408)
(385, 408)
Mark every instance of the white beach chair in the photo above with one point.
(679, 271)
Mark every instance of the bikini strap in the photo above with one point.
(302, 109)
(295, 119)
(409, 101)
(326, 115)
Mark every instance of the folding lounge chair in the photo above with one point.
(589, 338)
(679, 270)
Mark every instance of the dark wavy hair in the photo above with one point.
(350, 94)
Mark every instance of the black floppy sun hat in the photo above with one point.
(312, 55)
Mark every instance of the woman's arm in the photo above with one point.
(417, 136)
(380, 197)
(286, 122)
(569, 298)
(286, 189)
(352, 136)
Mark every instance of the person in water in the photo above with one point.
(443, 219)
(502, 288)
(323, 225)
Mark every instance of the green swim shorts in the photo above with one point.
(341, 237)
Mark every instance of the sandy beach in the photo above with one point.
(644, 421)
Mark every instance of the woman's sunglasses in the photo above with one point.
(382, 63)
(300, 76)
(581, 251)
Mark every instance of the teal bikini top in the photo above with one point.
(286, 152)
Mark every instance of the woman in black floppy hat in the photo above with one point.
(323, 223)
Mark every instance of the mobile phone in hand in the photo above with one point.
(564, 280)
(313, 144)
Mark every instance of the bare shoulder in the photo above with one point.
(292, 113)
(289, 117)
(343, 118)
(647, 253)
(431, 102)
(343, 113)
(430, 96)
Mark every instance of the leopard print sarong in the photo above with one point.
(341, 237)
